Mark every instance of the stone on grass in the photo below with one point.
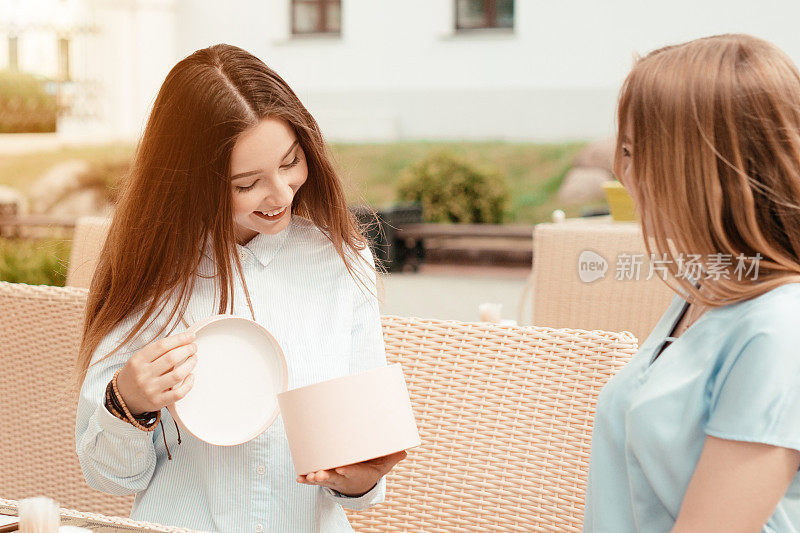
(82, 202)
(56, 184)
(584, 185)
(12, 201)
(598, 154)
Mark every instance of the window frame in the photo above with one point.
(13, 52)
(321, 28)
(489, 18)
(64, 65)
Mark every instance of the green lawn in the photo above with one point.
(370, 171)
(534, 171)
(35, 262)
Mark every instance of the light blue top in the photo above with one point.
(328, 326)
(734, 374)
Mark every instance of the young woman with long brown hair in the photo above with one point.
(701, 430)
(232, 206)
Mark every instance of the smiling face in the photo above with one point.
(268, 167)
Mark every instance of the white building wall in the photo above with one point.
(133, 53)
(399, 70)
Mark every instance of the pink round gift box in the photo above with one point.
(348, 420)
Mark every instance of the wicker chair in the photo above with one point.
(562, 300)
(39, 338)
(505, 416)
(87, 243)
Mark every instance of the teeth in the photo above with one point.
(272, 213)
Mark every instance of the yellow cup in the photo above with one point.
(619, 201)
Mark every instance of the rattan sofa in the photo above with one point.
(505, 416)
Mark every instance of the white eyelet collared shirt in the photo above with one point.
(327, 324)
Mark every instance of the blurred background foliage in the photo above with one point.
(35, 262)
(451, 189)
(25, 104)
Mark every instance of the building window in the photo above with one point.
(13, 53)
(316, 16)
(483, 14)
(63, 59)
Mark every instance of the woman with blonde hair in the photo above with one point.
(232, 206)
(701, 430)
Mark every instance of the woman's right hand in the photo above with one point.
(159, 374)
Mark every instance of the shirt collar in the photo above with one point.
(262, 248)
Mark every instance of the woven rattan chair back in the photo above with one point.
(505, 415)
(87, 243)
(563, 299)
(40, 334)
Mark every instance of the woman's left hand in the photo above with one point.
(356, 479)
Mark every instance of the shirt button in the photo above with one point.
(259, 528)
(261, 470)
(243, 256)
(139, 455)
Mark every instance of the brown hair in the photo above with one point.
(715, 127)
(177, 198)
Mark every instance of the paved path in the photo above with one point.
(449, 292)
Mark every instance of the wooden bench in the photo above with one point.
(489, 244)
(16, 225)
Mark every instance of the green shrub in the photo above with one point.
(25, 105)
(451, 189)
(35, 262)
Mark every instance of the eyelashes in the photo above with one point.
(292, 164)
(243, 189)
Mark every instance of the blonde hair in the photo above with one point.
(715, 126)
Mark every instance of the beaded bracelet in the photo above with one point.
(114, 407)
(143, 422)
(110, 405)
(146, 421)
